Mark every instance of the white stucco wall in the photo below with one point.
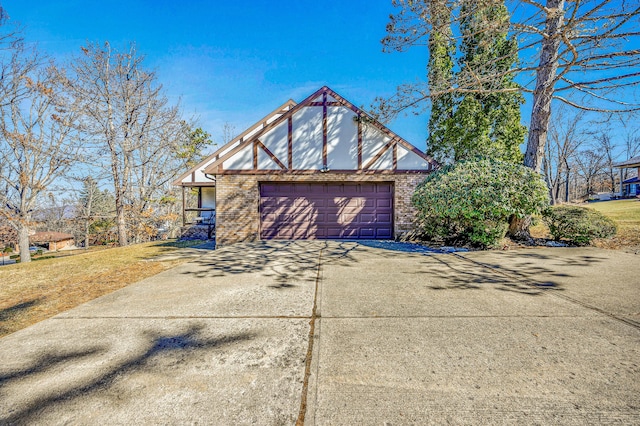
(307, 138)
(342, 139)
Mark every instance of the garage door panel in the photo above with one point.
(383, 233)
(367, 233)
(349, 218)
(326, 210)
(383, 203)
(369, 203)
(383, 218)
(368, 188)
(318, 202)
(384, 188)
(367, 218)
(350, 233)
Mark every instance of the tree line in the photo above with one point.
(579, 161)
(102, 119)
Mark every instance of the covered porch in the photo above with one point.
(629, 187)
(204, 213)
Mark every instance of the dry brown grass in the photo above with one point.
(38, 290)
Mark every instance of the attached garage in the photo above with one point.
(334, 210)
(318, 169)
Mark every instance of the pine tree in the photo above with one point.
(97, 207)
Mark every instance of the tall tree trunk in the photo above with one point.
(86, 233)
(121, 221)
(542, 97)
(566, 181)
(545, 84)
(23, 242)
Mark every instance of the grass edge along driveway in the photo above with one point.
(34, 291)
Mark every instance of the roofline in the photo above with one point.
(290, 103)
(211, 168)
(383, 128)
(631, 162)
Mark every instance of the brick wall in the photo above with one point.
(237, 199)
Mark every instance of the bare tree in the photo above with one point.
(583, 53)
(228, 132)
(591, 164)
(608, 149)
(565, 138)
(131, 123)
(38, 139)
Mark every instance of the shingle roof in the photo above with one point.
(632, 162)
(45, 237)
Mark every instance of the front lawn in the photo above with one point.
(626, 215)
(35, 291)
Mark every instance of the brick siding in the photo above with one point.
(237, 200)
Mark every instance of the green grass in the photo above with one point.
(626, 214)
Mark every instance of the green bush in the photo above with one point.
(471, 202)
(578, 225)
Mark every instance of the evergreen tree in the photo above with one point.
(440, 75)
(486, 121)
(97, 208)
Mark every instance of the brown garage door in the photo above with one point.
(326, 210)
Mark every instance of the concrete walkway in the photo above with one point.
(548, 336)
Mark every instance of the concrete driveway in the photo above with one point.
(341, 333)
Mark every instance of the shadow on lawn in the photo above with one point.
(176, 348)
(14, 313)
(15, 310)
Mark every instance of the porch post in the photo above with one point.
(184, 215)
(621, 194)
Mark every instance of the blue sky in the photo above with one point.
(235, 61)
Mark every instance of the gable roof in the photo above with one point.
(49, 236)
(632, 162)
(383, 147)
(197, 169)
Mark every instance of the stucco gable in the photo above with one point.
(196, 174)
(322, 133)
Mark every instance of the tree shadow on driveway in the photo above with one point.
(54, 363)
(285, 261)
(535, 270)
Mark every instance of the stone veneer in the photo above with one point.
(237, 200)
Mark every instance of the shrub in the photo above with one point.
(578, 225)
(471, 202)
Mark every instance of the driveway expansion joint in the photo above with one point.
(296, 317)
(312, 329)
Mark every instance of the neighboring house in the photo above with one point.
(52, 240)
(8, 237)
(318, 169)
(631, 186)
